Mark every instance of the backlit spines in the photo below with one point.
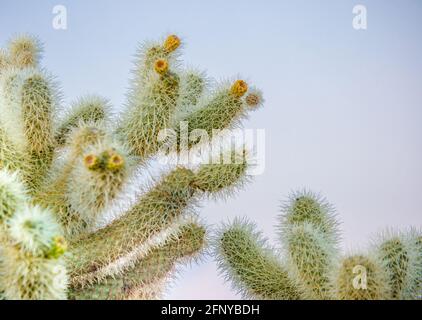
(27, 277)
(399, 255)
(32, 246)
(305, 206)
(222, 110)
(88, 109)
(310, 259)
(361, 277)
(28, 103)
(97, 178)
(226, 172)
(12, 194)
(152, 269)
(24, 52)
(156, 211)
(4, 60)
(150, 111)
(309, 236)
(246, 260)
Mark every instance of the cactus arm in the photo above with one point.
(24, 52)
(307, 207)
(147, 54)
(310, 259)
(401, 261)
(152, 99)
(54, 192)
(10, 157)
(31, 264)
(89, 109)
(225, 173)
(193, 85)
(150, 112)
(376, 286)
(28, 101)
(155, 211)
(12, 194)
(97, 178)
(223, 110)
(4, 60)
(309, 235)
(144, 278)
(246, 260)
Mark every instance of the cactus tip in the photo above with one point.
(161, 66)
(239, 88)
(171, 43)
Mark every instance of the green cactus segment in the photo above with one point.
(86, 137)
(10, 157)
(192, 87)
(255, 272)
(4, 60)
(12, 194)
(309, 235)
(361, 277)
(229, 171)
(156, 211)
(97, 178)
(310, 258)
(27, 277)
(150, 270)
(220, 112)
(27, 106)
(149, 113)
(149, 53)
(418, 245)
(31, 264)
(306, 207)
(37, 107)
(89, 109)
(24, 52)
(399, 255)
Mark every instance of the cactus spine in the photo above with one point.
(311, 266)
(60, 174)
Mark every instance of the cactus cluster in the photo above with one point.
(62, 170)
(311, 264)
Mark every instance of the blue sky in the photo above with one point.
(343, 107)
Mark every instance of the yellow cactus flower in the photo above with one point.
(239, 88)
(91, 162)
(115, 162)
(161, 66)
(58, 248)
(172, 43)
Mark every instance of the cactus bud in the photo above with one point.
(172, 43)
(239, 88)
(161, 66)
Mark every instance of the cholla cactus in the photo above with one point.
(61, 175)
(312, 266)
